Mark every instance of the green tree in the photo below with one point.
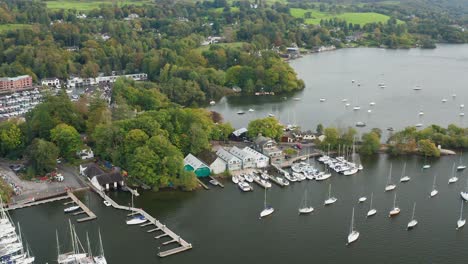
(331, 138)
(370, 143)
(319, 129)
(11, 138)
(42, 157)
(428, 148)
(67, 139)
(268, 127)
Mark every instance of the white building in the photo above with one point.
(248, 161)
(51, 82)
(79, 82)
(218, 166)
(233, 163)
(261, 160)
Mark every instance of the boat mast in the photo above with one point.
(434, 184)
(352, 222)
(394, 202)
(58, 245)
(390, 175)
(453, 170)
(264, 201)
(90, 253)
(100, 244)
(371, 196)
(329, 191)
(461, 211)
(414, 208)
(404, 170)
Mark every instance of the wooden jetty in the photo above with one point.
(260, 183)
(183, 245)
(132, 191)
(84, 208)
(219, 183)
(273, 179)
(25, 205)
(202, 184)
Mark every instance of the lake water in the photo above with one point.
(223, 224)
(440, 73)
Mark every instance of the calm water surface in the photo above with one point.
(223, 224)
(440, 73)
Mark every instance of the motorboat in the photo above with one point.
(107, 203)
(235, 179)
(212, 102)
(248, 177)
(71, 209)
(344, 100)
(461, 114)
(360, 124)
(240, 112)
(372, 103)
(350, 171)
(362, 199)
(356, 108)
(427, 166)
(444, 100)
(353, 234)
(369, 111)
(322, 100)
(244, 186)
(418, 125)
(417, 88)
(251, 110)
(271, 115)
(139, 219)
(421, 113)
(282, 181)
(347, 104)
(322, 176)
(461, 167)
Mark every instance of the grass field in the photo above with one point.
(355, 18)
(6, 27)
(220, 9)
(85, 5)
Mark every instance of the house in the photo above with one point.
(217, 165)
(261, 161)
(248, 161)
(132, 16)
(288, 137)
(308, 135)
(86, 154)
(233, 163)
(51, 82)
(100, 179)
(267, 146)
(239, 135)
(192, 163)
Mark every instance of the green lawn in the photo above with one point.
(355, 18)
(85, 5)
(6, 27)
(221, 9)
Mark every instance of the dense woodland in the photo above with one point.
(150, 126)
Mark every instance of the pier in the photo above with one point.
(84, 209)
(166, 232)
(260, 183)
(202, 184)
(273, 179)
(219, 183)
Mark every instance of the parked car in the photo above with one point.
(299, 146)
(16, 167)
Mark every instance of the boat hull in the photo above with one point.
(394, 212)
(390, 187)
(330, 201)
(306, 210)
(266, 212)
(412, 224)
(461, 223)
(353, 237)
(405, 179)
(371, 212)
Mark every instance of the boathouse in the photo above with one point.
(192, 163)
(268, 147)
(248, 161)
(239, 135)
(103, 180)
(261, 161)
(233, 163)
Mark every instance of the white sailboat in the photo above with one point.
(461, 222)
(464, 194)
(137, 219)
(267, 210)
(434, 191)
(404, 178)
(461, 166)
(353, 234)
(235, 179)
(413, 221)
(426, 166)
(390, 186)
(371, 211)
(395, 210)
(100, 259)
(71, 209)
(362, 199)
(330, 199)
(305, 209)
(454, 178)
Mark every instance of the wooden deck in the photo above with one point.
(25, 205)
(84, 208)
(153, 222)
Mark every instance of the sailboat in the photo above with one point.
(267, 210)
(371, 211)
(434, 191)
(464, 194)
(461, 222)
(362, 199)
(390, 186)
(413, 221)
(454, 178)
(330, 199)
(461, 166)
(395, 210)
(353, 234)
(426, 166)
(100, 259)
(305, 209)
(404, 178)
(137, 219)
(75, 256)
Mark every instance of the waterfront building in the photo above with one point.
(261, 161)
(248, 161)
(51, 82)
(233, 163)
(103, 180)
(15, 83)
(268, 147)
(192, 163)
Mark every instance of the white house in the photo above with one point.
(233, 163)
(51, 82)
(218, 166)
(260, 159)
(248, 161)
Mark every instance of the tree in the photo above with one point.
(428, 148)
(42, 157)
(67, 139)
(267, 127)
(319, 129)
(370, 143)
(11, 138)
(331, 138)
